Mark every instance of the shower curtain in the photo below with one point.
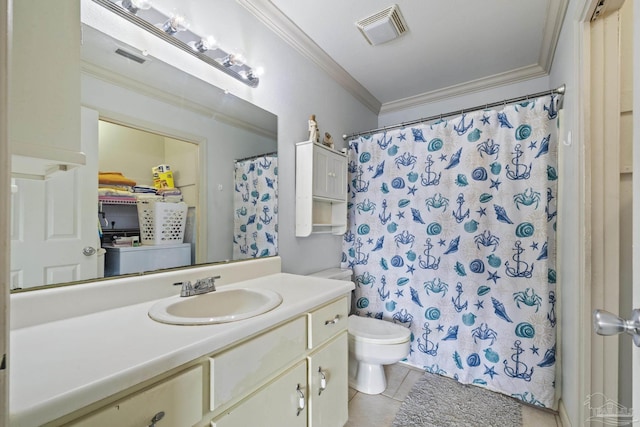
(255, 230)
(452, 234)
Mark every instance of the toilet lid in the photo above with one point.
(377, 331)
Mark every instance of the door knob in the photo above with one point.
(88, 251)
(605, 323)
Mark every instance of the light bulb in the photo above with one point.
(204, 44)
(134, 5)
(177, 22)
(252, 74)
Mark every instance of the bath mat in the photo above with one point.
(442, 402)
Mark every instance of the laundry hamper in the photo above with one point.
(161, 223)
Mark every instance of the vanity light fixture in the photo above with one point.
(175, 30)
(233, 60)
(204, 44)
(253, 74)
(175, 23)
(134, 5)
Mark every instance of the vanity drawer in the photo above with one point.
(327, 321)
(240, 370)
(180, 398)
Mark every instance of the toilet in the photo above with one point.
(372, 344)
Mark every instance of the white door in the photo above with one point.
(54, 232)
(628, 413)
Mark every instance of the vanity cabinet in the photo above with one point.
(173, 402)
(294, 375)
(313, 392)
(44, 101)
(281, 403)
(321, 189)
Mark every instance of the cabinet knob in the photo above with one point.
(323, 381)
(156, 418)
(333, 321)
(301, 400)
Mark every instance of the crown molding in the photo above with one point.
(280, 24)
(152, 92)
(556, 12)
(496, 80)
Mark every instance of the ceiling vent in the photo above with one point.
(383, 26)
(130, 56)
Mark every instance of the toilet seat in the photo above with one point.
(375, 331)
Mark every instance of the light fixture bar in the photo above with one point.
(237, 72)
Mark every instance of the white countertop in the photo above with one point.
(62, 366)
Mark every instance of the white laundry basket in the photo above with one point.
(161, 223)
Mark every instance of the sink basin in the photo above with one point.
(221, 306)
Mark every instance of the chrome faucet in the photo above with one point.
(202, 286)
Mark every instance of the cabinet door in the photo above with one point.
(281, 403)
(45, 83)
(240, 370)
(328, 384)
(337, 177)
(321, 173)
(179, 399)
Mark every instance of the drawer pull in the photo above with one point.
(323, 381)
(301, 400)
(334, 321)
(156, 418)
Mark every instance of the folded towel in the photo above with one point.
(115, 178)
(114, 191)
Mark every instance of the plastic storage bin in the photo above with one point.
(161, 223)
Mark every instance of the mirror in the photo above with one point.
(222, 151)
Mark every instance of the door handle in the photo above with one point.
(605, 323)
(88, 251)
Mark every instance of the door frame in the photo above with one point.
(598, 121)
(5, 182)
(635, 398)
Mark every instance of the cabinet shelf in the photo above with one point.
(321, 190)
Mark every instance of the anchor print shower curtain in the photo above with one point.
(255, 230)
(452, 234)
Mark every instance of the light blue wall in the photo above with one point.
(293, 88)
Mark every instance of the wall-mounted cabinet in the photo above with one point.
(321, 190)
(44, 100)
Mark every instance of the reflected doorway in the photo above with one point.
(162, 173)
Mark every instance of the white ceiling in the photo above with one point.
(452, 47)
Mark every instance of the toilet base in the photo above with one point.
(367, 378)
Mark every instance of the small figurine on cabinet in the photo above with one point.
(314, 133)
(328, 140)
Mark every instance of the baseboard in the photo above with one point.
(562, 412)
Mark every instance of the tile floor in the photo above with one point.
(379, 410)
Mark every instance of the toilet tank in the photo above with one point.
(344, 274)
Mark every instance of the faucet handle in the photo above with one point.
(186, 290)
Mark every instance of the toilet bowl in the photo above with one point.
(372, 344)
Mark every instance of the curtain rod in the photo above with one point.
(559, 91)
(273, 153)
